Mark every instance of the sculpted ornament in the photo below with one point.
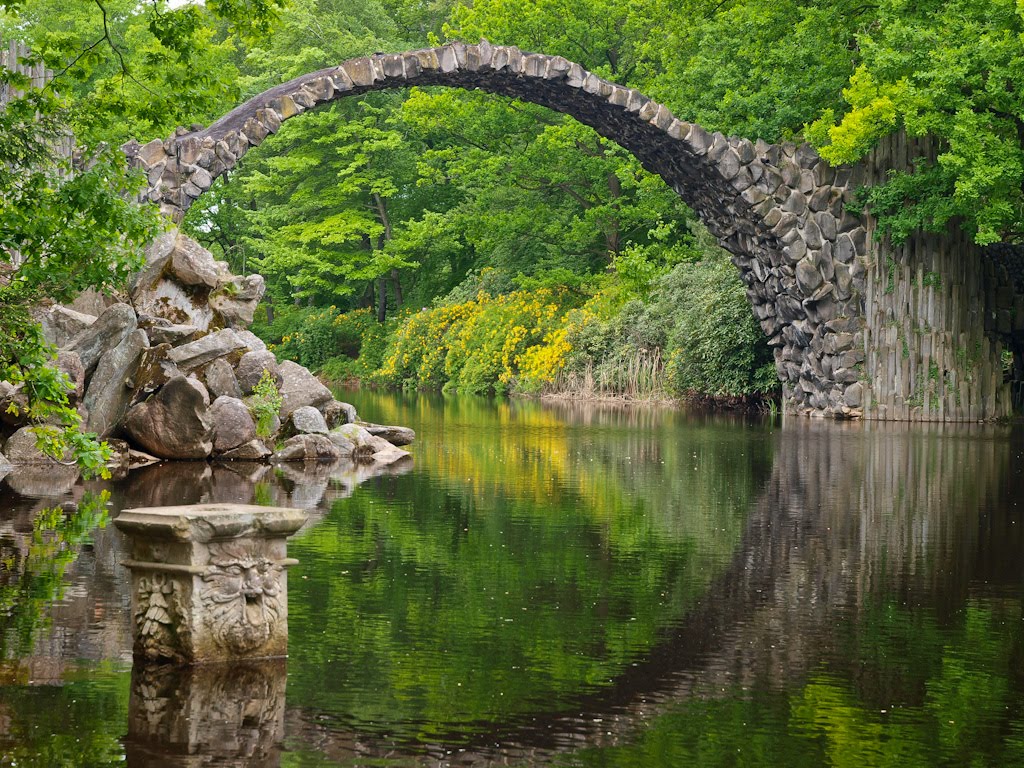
(241, 598)
(155, 615)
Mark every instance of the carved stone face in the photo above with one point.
(242, 595)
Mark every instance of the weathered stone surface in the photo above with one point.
(394, 435)
(13, 404)
(299, 387)
(307, 448)
(232, 424)
(220, 379)
(174, 423)
(208, 581)
(390, 455)
(193, 265)
(254, 450)
(70, 363)
(110, 329)
(345, 445)
(166, 332)
(20, 448)
(337, 413)
(61, 324)
(234, 303)
(109, 394)
(250, 369)
(306, 420)
(252, 341)
(208, 348)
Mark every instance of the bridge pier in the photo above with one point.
(942, 318)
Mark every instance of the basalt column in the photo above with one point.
(942, 318)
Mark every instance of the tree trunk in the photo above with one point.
(268, 301)
(613, 236)
(382, 299)
(396, 286)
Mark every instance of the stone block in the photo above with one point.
(209, 582)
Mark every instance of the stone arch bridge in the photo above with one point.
(859, 328)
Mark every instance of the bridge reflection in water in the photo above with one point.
(876, 568)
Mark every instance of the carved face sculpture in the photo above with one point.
(242, 595)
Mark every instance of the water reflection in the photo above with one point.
(212, 714)
(591, 586)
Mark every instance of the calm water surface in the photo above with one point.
(560, 585)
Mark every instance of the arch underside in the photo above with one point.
(778, 209)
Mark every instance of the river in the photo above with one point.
(563, 584)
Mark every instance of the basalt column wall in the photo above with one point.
(939, 312)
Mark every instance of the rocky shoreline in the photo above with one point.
(170, 371)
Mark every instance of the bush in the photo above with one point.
(714, 344)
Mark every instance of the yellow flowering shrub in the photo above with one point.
(477, 346)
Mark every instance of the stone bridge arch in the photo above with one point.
(779, 209)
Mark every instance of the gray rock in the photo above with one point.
(210, 347)
(300, 387)
(110, 329)
(221, 381)
(853, 396)
(807, 276)
(174, 423)
(43, 481)
(193, 265)
(234, 303)
(108, 394)
(250, 369)
(70, 363)
(306, 420)
(167, 332)
(61, 324)
(347, 447)
(20, 448)
(13, 404)
(394, 435)
(254, 450)
(232, 424)
(307, 448)
(390, 455)
(252, 341)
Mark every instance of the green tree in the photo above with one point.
(951, 71)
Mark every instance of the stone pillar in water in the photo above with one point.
(209, 581)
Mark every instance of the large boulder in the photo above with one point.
(220, 379)
(300, 387)
(394, 435)
(70, 364)
(13, 404)
(307, 448)
(337, 413)
(306, 420)
(208, 348)
(109, 392)
(254, 450)
(234, 303)
(175, 423)
(252, 340)
(232, 424)
(250, 369)
(163, 331)
(20, 448)
(110, 329)
(61, 324)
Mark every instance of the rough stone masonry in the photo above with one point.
(779, 209)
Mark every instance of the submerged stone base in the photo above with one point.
(209, 581)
